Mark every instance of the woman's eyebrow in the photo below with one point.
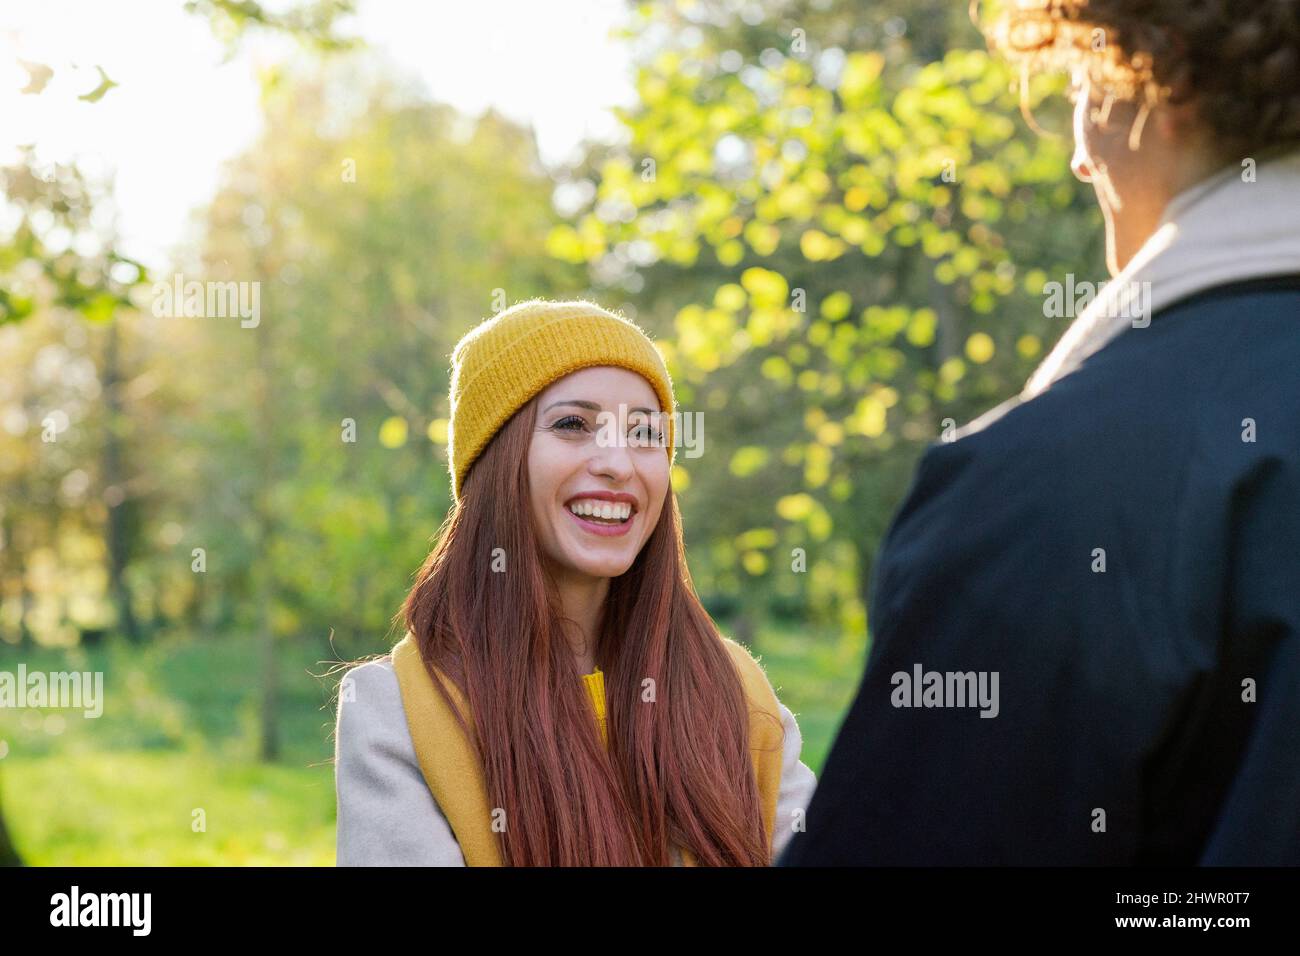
(593, 406)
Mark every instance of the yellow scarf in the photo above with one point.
(454, 773)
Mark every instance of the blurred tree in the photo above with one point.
(55, 258)
(379, 228)
(42, 259)
(8, 852)
(313, 22)
(40, 255)
(839, 222)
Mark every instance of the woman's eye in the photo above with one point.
(646, 435)
(570, 423)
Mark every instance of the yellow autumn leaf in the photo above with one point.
(980, 348)
(392, 433)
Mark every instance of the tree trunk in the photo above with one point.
(270, 739)
(8, 852)
(9, 566)
(116, 532)
(743, 631)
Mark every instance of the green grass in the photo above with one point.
(169, 774)
(816, 678)
(141, 809)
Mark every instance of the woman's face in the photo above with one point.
(597, 449)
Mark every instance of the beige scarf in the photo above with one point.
(1223, 229)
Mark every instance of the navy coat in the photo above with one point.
(1123, 552)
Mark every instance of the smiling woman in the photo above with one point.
(596, 491)
(561, 697)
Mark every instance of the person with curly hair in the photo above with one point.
(1113, 555)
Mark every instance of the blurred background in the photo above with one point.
(832, 215)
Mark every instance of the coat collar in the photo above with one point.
(1221, 230)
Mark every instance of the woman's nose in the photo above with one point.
(612, 462)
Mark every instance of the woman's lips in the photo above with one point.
(607, 530)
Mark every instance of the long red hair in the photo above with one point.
(678, 769)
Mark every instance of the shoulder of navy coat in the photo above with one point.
(1148, 712)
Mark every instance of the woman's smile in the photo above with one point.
(601, 526)
(603, 514)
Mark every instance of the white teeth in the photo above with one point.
(609, 510)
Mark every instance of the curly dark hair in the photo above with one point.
(1237, 61)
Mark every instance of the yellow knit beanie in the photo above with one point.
(508, 358)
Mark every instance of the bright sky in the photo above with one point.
(179, 112)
